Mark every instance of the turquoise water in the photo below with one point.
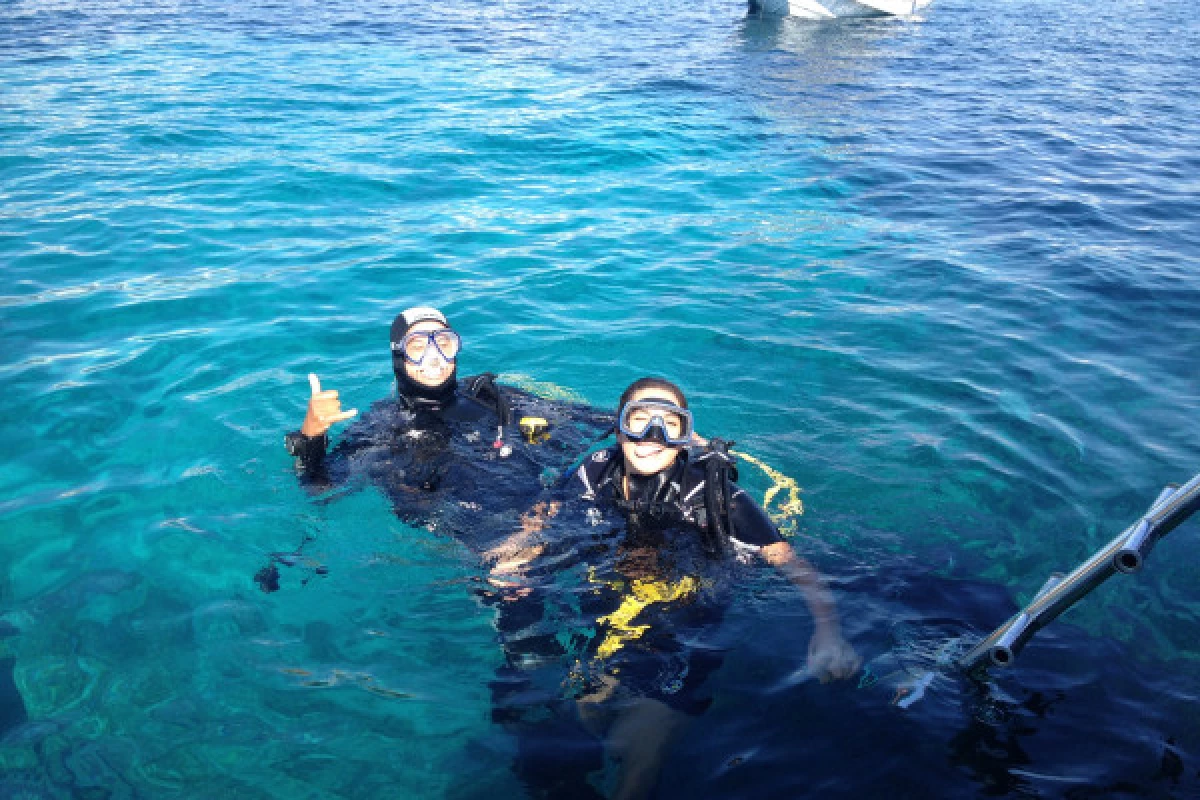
(939, 271)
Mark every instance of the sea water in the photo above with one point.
(940, 271)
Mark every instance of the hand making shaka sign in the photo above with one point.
(324, 409)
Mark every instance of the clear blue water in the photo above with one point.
(942, 272)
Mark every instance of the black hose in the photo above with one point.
(718, 498)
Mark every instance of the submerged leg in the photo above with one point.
(555, 754)
(640, 737)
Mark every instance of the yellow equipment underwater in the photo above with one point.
(642, 593)
(534, 429)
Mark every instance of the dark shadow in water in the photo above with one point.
(12, 707)
(1078, 716)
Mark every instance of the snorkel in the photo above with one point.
(423, 390)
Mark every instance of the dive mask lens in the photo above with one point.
(642, 419)
(448, 343)
(416, 346)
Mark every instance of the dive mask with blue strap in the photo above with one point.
(416, 346)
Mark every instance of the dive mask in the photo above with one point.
(655, 420)
(416, 346)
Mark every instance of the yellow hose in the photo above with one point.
(784, 515)
(543, 389)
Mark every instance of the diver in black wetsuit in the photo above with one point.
(424, 359)
(443, 450)
(651, 586)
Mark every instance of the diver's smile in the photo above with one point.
(647, 449)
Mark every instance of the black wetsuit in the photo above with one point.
(645, 579)
(625, 604)
(457, 464)
(663, 586)
(671, 501)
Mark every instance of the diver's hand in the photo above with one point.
(509, 580)
(830, 657)
(508, 575)
(510, 559)
(324, 409)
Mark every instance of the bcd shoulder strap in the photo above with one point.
(484, 390)
(720, 470)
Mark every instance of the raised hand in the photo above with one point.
(324, 409)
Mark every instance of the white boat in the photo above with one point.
(832, 9)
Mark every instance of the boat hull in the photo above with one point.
(833, 9)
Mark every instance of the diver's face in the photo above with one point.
(648, 458)
(434, 370)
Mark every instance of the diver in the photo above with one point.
(652, 586)
(424, 359)
(444, 450)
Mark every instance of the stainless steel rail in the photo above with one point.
(1126, 553)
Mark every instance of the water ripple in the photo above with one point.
(941, 271)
